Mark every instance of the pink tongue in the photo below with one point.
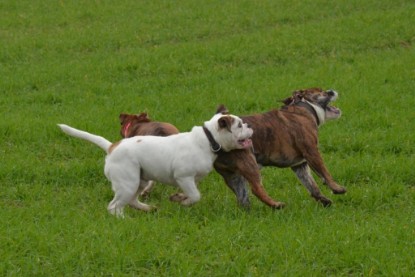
(246, 143)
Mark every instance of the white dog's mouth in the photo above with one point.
(245, 143)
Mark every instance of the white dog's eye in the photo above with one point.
(240, 125)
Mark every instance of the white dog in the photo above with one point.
(181, 160)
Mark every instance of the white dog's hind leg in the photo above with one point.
(125, 190)
(146, 187)
(189, 188)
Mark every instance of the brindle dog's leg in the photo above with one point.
(316, 163)
(304, 175)
(239, 166)
(226, 165)
(238, 185)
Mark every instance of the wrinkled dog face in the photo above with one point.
(230, 132)
(240, 131)
(318, 97)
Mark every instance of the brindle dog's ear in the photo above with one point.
(298, 96)
(225, 122)
(222, 109)
(288, 101)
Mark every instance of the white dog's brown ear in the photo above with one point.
(222, 109)
(225, 122)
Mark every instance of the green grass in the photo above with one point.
(84, 62)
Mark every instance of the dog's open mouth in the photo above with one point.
(245, 143)
(333, 109)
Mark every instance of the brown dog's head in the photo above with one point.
(128, 120)
(319, 100)
(142, 125)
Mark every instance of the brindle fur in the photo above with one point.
(287, 137)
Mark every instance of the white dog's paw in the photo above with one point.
(187, 202)
(118, 212)
(141, 206)
(178, 197)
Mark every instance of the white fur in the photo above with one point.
(180, 160)
(321, 113)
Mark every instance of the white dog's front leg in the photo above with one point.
(189, 188)
(116, 210)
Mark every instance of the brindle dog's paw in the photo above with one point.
(278, 205)
(340, 190)
(325, 201)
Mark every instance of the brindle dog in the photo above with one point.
(287, 137)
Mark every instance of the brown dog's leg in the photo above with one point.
(316, 163)
(235, 167)
(304, 175)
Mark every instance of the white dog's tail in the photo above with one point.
(100, 141)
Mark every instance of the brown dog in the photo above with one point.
(141, 125)
(287, 137)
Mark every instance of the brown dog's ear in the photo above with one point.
(143, 117)
(225, 122)
(222, 109)
(122, 117)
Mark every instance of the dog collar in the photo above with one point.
(125, 129)
(214, 146)
(319, 112)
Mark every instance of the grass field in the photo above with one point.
(84, 62)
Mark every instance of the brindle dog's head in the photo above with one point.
(319, 99)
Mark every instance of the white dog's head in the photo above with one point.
(229, 131)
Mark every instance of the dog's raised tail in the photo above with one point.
(100, 141)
